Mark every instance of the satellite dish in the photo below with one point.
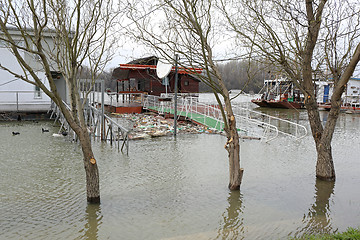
(163, 69)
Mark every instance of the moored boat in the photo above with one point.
(280, 93)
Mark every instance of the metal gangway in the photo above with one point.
(249, 123)
(99, 125)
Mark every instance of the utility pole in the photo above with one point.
(102, 84)
(176, 90)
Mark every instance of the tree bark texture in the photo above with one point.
(233, 147)
(233, 144)
(322, 137)
(91, 169)
(324, 165)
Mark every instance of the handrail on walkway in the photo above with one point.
(109, 130)
(248, 121)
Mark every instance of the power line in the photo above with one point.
(9, 82)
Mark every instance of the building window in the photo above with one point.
(186, 83)
(37, 92)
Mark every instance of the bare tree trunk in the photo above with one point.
(233, 147)
(325, 169)
(324, 165)
(91, 169)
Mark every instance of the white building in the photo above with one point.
(17, 95)
(352, 93)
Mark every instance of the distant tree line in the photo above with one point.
(110, 84)
(244, 74)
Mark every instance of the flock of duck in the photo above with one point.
(43, 130)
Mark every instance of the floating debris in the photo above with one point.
(150, 125)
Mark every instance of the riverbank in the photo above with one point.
(349, 234)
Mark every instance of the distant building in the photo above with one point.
(352, 92)
(17, 95)
(350, 95)
(140, 76)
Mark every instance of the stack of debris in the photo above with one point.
(147, 125)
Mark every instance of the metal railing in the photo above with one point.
(284, 126)
(107, 129)
(24, 101)
(125, 99)
(249, 122)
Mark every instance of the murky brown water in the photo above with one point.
(167, 189)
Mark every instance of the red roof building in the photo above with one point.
(140, 76)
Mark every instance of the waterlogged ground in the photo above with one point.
(175, 189)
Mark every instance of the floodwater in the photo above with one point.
(176, 189)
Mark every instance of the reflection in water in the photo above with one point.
(231, 226)
(318, 219)
(93, 217)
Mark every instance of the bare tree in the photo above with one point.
(246, 75)
(188, 28)
(289, 33)
(80, 33)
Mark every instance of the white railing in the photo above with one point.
(284, 126)
(261, 126)
(248, 126)
(24, 101)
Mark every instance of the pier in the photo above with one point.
(251, 124)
